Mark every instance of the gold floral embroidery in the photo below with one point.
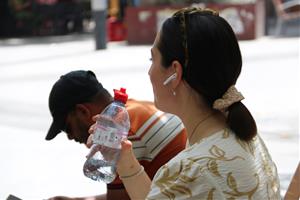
(268, 191)
(247, 146)
(269, 169)
(217, 152)
(218, 155)
(189, 148)
(210, 195)
(225, 134)
(213, 167)
(230, 198)
(272, 188)
(170, 184)
(231, 183)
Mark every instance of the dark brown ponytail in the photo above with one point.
(241, 121)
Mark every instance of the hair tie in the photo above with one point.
(230, 97)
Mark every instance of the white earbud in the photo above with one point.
(172, 77)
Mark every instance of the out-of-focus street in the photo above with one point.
(32, 168)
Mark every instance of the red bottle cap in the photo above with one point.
(120, 95)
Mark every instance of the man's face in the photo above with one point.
(77, 129)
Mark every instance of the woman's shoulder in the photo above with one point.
(224, 160)
(222, 140)
(222, 149)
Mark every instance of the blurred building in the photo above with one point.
(133, 20)
(42, 17)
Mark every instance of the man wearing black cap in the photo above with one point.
(156, 136)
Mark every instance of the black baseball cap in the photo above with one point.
(72, 88)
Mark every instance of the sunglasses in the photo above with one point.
(182, 15)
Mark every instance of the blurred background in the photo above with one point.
(42, 39)
(29, 18)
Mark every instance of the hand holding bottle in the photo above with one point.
(112, 125)
(127, 157)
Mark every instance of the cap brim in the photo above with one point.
(55, 129)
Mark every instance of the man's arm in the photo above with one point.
(112, 194)
(99, 197)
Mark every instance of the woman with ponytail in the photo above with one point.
(196, 61)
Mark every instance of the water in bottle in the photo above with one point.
(111, 127)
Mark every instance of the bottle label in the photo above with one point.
(108, 136)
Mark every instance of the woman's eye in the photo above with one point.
(150, 59)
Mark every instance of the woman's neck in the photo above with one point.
(199, 119)
(202, 125)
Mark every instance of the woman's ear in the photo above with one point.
(83, 112)
(177, 68)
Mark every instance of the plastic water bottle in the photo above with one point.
(111, 127)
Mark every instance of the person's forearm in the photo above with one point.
(135, 179)
(293, 192)
(137, 186)
(99, 197)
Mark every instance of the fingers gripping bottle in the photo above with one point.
(111, 127)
